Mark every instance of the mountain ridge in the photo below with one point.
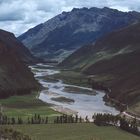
(10, 40)
(66, 32)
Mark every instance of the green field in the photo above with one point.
(82, 131)
(26, 106)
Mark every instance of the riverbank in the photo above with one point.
(63, 110)
(74, 78)
(77, 78)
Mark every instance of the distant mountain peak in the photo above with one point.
(69, 31)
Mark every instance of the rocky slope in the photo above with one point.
(15, 77)
(63, 34)
(114, 62)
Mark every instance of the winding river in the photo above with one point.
(67, 98)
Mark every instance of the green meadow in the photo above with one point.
(26, 106)
(83, 131)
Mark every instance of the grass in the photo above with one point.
(10, 134)
(82, 131)
(26, 106)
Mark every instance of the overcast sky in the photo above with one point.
(17, 16)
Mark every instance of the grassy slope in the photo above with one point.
(74, 132)
(125, 84)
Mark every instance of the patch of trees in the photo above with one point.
(36, 119)
(68, 119)
(4, 120)
(122, 122)
(106, 119)
(129, 126)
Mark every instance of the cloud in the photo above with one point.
(19, 15)
(10, 12)
(126, 5)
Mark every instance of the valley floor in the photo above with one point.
(27, 105)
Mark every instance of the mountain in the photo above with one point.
(115, 43)
(15, 77)
(12, 42)
(113, 61)
(60, 36)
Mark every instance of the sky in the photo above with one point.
(18, 16)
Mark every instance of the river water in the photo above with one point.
(67, 98)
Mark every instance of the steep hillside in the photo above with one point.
(65, 33)
(125, 40)
(10, 41)
(15, 77)
(114, 62)
(122, 74)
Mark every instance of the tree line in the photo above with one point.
(68, 119)
(98, 119)
(35, 119)
(38, 119)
